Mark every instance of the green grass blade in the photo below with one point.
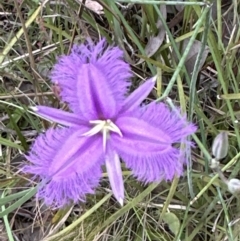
(31, 192)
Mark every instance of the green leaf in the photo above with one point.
(172, 221)
(13, 121)
(7, 142)
(156, 63)
(11, 197)
(6, 182)
(31, 192)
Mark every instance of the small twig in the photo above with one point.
(29, 47)
(220, 174)
(79, 13)
(31, 59)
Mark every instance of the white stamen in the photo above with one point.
(96, 121)
(114, 128)
(105, 136)
(95, 129)
(105, 126)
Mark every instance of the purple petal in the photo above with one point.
(107, 59)
(114, 171)
(59, 116)
(71, 165)
(169, 121)
(71, 189)
(146, 148)
(96, 99)
(136, 98)
(152, 167)
(139, 134)
(75, 154)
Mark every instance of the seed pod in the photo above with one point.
(220, 145)
(234, 186)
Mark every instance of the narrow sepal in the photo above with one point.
(60, 116)
(114, 171)
(138, 96)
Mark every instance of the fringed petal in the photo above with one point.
(149, 148)
(63, 158)
(107, 59)
(153, 166)
(169, 121)
(70, 189)
(141, 135)
(94, 91)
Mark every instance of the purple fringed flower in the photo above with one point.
(103, 127)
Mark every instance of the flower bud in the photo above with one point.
(220, 145)
(234, 186)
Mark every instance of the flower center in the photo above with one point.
(104, 126)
